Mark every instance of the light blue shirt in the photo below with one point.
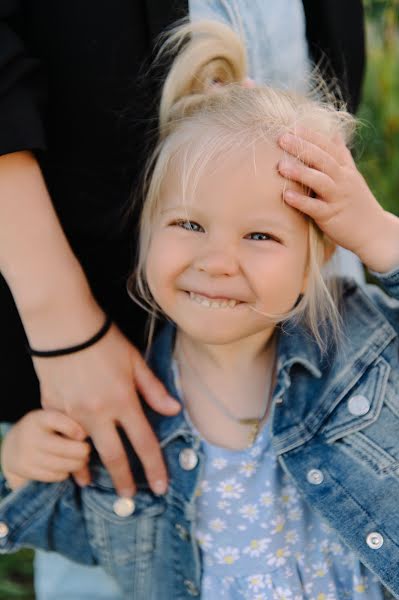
(261, 541)
(274, 36)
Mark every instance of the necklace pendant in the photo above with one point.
(253, 434)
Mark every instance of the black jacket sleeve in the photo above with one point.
(22, 86)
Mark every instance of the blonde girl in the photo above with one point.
(283, 463)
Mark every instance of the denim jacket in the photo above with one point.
(334, 428)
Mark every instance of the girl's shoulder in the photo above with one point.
(377, 301)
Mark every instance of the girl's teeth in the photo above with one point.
(212, 303)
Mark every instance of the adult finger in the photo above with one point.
(148, 450)
(152, 390)
(110, 448)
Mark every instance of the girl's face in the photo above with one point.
(235, 250)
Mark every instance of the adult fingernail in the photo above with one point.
(159, 487)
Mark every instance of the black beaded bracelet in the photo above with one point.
(72, 349)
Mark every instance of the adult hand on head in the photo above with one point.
(98, 387)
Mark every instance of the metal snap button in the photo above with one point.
(4, 530)
(358, 405)
(191, 588)
(182, 531)
(188, 459)
(124, 507)
(374, 540)
(279, 400)
(315, 477)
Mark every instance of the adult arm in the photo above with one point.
(97, 386)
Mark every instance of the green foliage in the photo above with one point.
(16, 576)
(378, 144)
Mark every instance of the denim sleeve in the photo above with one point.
(389, 281)
(46, 516)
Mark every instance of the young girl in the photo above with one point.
(284, 461)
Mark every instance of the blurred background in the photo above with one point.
(378, 137)
(378, 159)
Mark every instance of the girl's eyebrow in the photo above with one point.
(174, 208)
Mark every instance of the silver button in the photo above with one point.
(315, 476)
(358, 405)
(279, 400)
(374, 540)
(3, 530)
(191, 588)
(188, 459)
(182, 531)
(124, 507)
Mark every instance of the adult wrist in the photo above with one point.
(54, 352)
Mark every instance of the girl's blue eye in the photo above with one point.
(188, 225)
(257, 236)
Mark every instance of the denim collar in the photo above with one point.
(362, 321)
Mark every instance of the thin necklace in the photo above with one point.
(253, 422)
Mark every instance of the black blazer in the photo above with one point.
(73, 89)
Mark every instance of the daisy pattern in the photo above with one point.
(283, 593)
(278, 557)
(217, 525)
(202, 488)
(295, 514)
(336, 548)
(255, 451)
(278, 524)
(250, 512)
(248, 468)
(259, 539)
(219, 463)
(266, 499)
(255, 583)
(319, 569)
(288, 495)
(256, 547)
(227, 556)
(230, 488)
(291, 536)
(204, 540)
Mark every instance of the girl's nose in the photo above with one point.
(217, 261)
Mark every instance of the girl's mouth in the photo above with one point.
(208, 302)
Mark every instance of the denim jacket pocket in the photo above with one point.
(120, 531)
(365, 425)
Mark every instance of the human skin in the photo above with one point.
(96, 387)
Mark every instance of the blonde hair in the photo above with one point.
(206, 111)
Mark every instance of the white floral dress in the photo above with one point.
(261, 541)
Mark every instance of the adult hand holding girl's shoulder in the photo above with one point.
(45, 445)
(98, 388)
(342, 204)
